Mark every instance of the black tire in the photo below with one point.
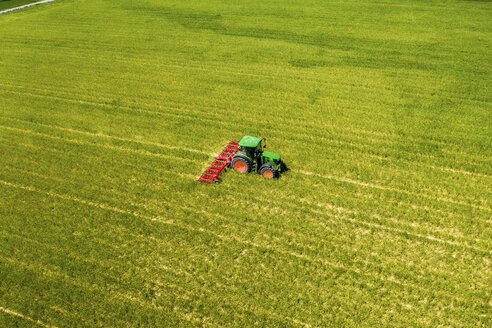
(241, 164)
(217, 181)
(268, 171)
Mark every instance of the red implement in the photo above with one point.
(221, 161)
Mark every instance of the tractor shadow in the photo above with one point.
(284, 170)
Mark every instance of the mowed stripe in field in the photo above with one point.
(11, 312)
(338, 179)
(369, 184)
(368, 138)
(375, 156)
(392, 279)
(407, 228)
(405, 232)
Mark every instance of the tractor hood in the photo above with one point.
(271, 155)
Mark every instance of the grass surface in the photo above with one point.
(110, 110)
(7, 4)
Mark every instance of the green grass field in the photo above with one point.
(7, 4)
(110, 110)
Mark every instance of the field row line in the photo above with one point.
(218, 235)
(339, 209)
(189, 317)
(361, 144)
(189, 176)
(375, 186)
(188, 275)
(363, 263)
(231, 288)
(192, 177)
(165, 221)
(98, 145)
(102, 135)
(294, 75)
(287, 252)
(173, 270)
(335, 210)
(357, 145)
(91, 286)
(279, 100)
(176, 271)
(177, 106)
(193, 275)
(17, 314)
(307, 173)
(203, 281)
(195, 112)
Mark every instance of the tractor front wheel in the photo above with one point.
(241, 164)
(268, 172)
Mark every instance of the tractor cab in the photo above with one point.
(251, 157)
(250, 146)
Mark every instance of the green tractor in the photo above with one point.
(251, 157)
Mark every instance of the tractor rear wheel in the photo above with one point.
(268, 172)
(241, 164)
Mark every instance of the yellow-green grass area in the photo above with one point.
(110, 110)
(7, 4)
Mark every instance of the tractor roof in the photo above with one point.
(248, 141)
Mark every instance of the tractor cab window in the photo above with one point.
(250, 151)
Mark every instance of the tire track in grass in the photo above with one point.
(346, 180)
(367, 264)
(439, 239)
(183, 175)
(341, 142)
(375, 186)
(185, 293)
(102, 135)
(308, 173)
(112, 147)
(337, 210)
(193, 177)
(42, 148)
(294, 75)
(129, 296)
(118, 295)
(232, 238)
(296, 322)
(17, 314)
(279, 231)
(358, 145)
(159, 220)
(364, 264)
(193, 114)
(280, 100)
(391, 278)
(369, 134)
